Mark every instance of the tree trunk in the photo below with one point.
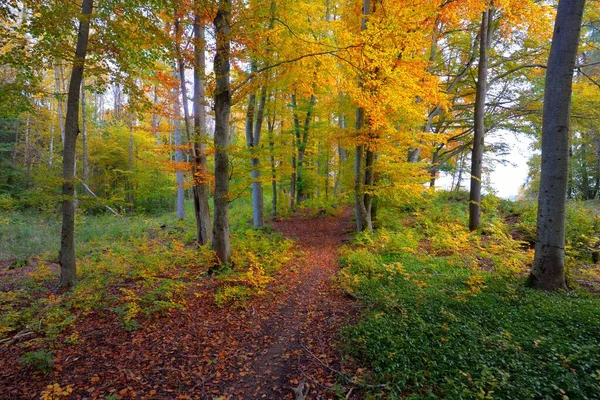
(84, 138)
(51, 150)
(155, 117)
(68, 269)
(253, 128)
(342, 157)
(59, 101)
(271, 128)
(363, 215)
(301, 193)
(130, 198)
(479, 120)
(201, 181)
(222, 106)
(257, 190)
(548, 267)
(179, 157)
(434, 167)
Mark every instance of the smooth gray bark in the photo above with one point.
(84, 137)
(59, 100)
(271, 129)
(363, 215)
(201, 180)
(254, 120)
(51, 150)
(222, 106)
(479, 125)
(178, 157)
(68, 268)
(548, 270)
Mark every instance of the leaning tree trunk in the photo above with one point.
(68, 269)
(479, 120)
(201, 180)
(548, 270)
(222, 107)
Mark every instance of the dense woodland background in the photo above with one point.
(155, 143)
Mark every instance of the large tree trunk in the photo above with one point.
(548, 270)
(201, 181)
(222, 106)
(68, 269)
(363, 215)
(479, 125)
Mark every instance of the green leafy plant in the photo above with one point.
(42, 360)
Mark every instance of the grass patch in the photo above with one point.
(445, 326)
(135, 267)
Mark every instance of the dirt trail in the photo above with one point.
(279, 340)
(301, 331)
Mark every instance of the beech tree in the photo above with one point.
(479, 122)
(222, 106)
(68, 269)
(548, 270)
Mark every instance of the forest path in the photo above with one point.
(261, 351)
(295, 338)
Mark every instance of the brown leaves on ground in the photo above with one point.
(281, 339)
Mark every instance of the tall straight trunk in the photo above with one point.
(51, 149)
(117, 100)
(433, 170)
(155, 117)
(301, 143)
(293, 178)
(184, 105)
(222, 105)
(130, 157)
(295, 142)
(363, 215)
(548, 270)
(270, 129)
(28, 147)
(257, 190)
(342, 157)
(68, 268)
(326, 172)
(253, 129)
(201, 187)
(84, 137)
(59, 101)
(179, 157)
(479, 125)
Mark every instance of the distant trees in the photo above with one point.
(548, 267)
(397, 81)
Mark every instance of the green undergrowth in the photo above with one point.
(136, 267)
(447, 314)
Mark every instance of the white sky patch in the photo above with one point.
(506, 180)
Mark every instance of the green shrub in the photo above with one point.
(42, 360)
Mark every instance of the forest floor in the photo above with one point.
(274, 343)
